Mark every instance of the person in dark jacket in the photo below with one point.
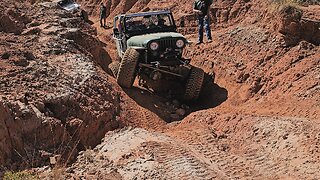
(103, 15)
(201, 7)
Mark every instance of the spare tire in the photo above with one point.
(194, 84)
(127, 69)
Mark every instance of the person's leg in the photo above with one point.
(200, 28)
(104, 21)
(207, 28)
(100, 21)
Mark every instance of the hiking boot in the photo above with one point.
(199, 42)
(210, 40)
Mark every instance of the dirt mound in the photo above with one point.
(240, 147)
(55, 100)
(148, 156)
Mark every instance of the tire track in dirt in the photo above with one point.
(168, 157)
(179, 162)
(288, 150)
(264, 164)
(277, 148)
(149, 118)
(206, 145)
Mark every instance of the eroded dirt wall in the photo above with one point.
(55, 98)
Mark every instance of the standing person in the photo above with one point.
(201, 7)
(103, 15)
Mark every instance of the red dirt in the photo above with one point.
(259, 119)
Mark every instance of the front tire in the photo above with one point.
(194, 84)
(127, 69)
(114, 68)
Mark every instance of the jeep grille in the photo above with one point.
(167, 43)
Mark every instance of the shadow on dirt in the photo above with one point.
(153, 102)
(212, 95)
(166, 107)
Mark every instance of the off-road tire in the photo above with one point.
(194, 84)
(114, 68)
(127, 69)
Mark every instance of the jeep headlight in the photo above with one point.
(180, 43)
(154, 46)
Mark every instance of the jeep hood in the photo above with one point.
(142, 40)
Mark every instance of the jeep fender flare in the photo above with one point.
(137, 48)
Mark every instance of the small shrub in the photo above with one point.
(278, 5)
(282, 3)
(285, 2)
(19, 176)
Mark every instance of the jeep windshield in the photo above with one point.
(144, 23)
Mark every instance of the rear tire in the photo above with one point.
(194, 84)
(127, 69)
(114, 68)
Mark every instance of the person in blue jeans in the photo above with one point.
(103, 15)
(201, 7)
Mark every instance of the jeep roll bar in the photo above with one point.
(148, 13)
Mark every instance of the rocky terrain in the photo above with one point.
(258, 118)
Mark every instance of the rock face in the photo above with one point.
(90, 45)
(5, 141)
(294, 28)
(54, 99)
(290, 21)
(12, 21)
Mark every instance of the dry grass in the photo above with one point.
(38, 1)
(58, 173)
(19, 176)
(280, 4)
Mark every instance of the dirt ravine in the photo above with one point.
(257, 118)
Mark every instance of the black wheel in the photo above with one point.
(114, 68)
(194, 84)
(127, 69)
